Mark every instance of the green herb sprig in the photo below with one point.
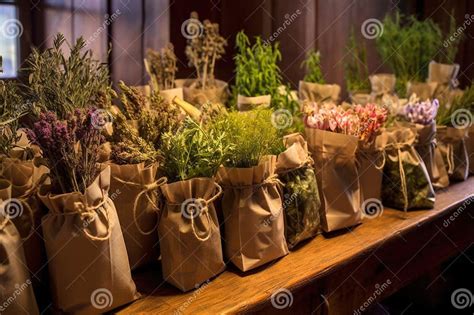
(314, 73)
(356, 69)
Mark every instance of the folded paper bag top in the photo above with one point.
(253, 214)
(83, 237)
(318, 92)
(382, 83)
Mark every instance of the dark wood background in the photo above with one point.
(142, 24)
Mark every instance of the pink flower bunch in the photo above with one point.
(421, 112)
(70, 148)
(371, 119)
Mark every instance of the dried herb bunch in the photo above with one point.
(447, 111)
(194, 151)
(256, 69)
(251, 136)
(70, 148)
(133, 101)
(313, 68)
(408, 46)
(161, 67)
(12, 108)
(356, 69)
(61, 84)
(204, 50)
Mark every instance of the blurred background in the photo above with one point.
(132, 26)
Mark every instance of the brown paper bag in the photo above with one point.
(133, 189)
(15, 283)
(452, 144)
(169, 94)
(245, 103)
(252, 206)
(371, 160)
(88, 265)
(406, 183)
(423, 90)
(428, 150)
(444, 74)
(382, 83)
(25, 178)
(338, 180)
(316, 92)
(217, 94)
(360, 98)
(189, 233)
(300, 190)
(470, 149)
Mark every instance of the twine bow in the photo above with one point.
(89, 214)
(146, 189)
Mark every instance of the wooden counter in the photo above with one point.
(334, 274)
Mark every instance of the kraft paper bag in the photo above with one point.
(424, 90)
(360, 98)
(452, 144)
(382, 84)
(444, 74)
(253, 219)
(371, 160)
(16, 289)
(300, 190)
(219, 93)
(470, 149)
(245, 103)
(169, 94)
(316, 92)
(406, 183)
(428, 150)
(87, 257)
(338, 179)
(189, 233)
(25, 178)
(134, 191)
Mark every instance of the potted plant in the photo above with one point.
(161, 67)
(251, 201)
(203, 50)
(314, 87)
(408, 46)
(189, 229)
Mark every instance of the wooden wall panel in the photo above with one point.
(58, 17)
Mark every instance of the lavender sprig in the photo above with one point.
(423, 113)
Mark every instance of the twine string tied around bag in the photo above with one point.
(145, 190)
(89, 214)
(450, 157)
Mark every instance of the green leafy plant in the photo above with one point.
(256, 69)
(161, 67)
(251, 135)
(204, 50)
(313, 68)
(61, 84)
(193, 152)
(446, 111)
(356, 69)
(451, 43)
(408, 46)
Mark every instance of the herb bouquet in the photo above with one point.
(314, 87)
(82, 222)
(421, 117)
(251, 202)
(205, 47)
(300, 191)
(189, 229)
(332, 133)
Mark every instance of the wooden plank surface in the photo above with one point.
(392, 244)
